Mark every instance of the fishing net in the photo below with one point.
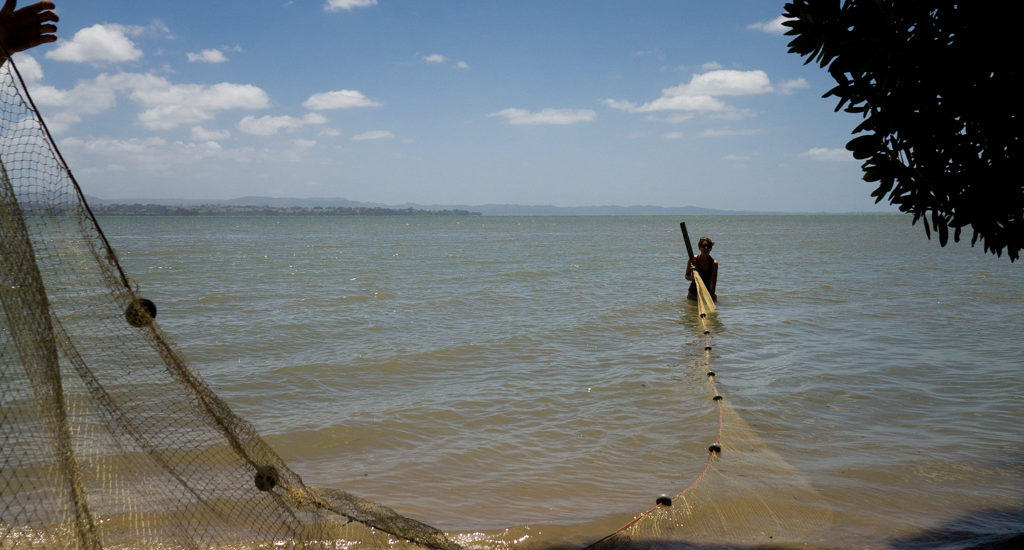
(110, 439)
(745, 496)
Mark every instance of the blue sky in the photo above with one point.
(568, 103)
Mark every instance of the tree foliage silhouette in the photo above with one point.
(938, 84)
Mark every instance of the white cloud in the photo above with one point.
(207, 56)
(348, 5)
(171, 105)
(774, 26)
(29, 68)
(826, 154)
(724, 82)
(60, 122)
(155, 155)
(545, 116)
(711, 66)
(330, 132)
(373, 134)
(111, 146)
(165, 105)
(270, 125)
(790, 86)
(157, 159)
(86, 98)
(160, 28)
(620, 104)
(671, 103)
(340, 99)
(701, 93)
(737, 158)
(439, 59)
(98, 44)
(305, 143)
(202, 134)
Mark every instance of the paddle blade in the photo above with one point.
(705, 304)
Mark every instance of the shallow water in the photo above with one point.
(488, 372)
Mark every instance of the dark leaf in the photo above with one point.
(939, 92)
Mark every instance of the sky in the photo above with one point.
(554, 102)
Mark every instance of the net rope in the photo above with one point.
(714, 449)
(109, 438)
(745, 494)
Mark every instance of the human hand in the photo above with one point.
(27, 27)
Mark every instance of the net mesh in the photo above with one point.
(750, 498)
(110, 439)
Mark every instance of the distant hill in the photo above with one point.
(486, 209)
(108, 209)
(543, 210)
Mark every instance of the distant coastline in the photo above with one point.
(139, 209)
(343, 207)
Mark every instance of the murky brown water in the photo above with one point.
(542, 375)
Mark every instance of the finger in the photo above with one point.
(47, 29)
(8, 8)
(49, 16)
(40, 9)
(42, 39)
(40, 6)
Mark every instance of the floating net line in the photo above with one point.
(745, 494)
(109, 438)
(714, 449)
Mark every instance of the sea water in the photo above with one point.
(486, 372)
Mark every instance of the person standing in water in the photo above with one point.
(706, 266)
